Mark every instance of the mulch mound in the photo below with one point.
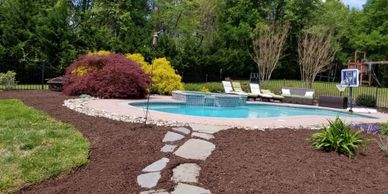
(118, 153)
(276, 161)
(283, 161)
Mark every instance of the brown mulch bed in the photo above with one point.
(283, 161)
(276, 161)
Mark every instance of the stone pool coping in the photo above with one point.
(121, 107)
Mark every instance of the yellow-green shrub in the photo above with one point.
(81, 71)
(164, 79)
(101, 52)
(137, 57)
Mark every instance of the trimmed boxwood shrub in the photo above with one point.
(106, 76)
(366, 100)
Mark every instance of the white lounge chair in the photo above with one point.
(229, 89)
(255, 90)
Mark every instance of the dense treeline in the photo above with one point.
(203, 39)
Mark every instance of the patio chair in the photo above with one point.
(229, 89)
(255, 90)
(237, 88)
(274, 96)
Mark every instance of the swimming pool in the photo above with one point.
(244, 111)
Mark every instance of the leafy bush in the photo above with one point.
(366, 100)
(164, 79)
(204, 89)
(8, 80)
(383, 143)
(384, 129)
(338, 137)
(215, 87)
(100, 52)
(106, 76)
(194, 87)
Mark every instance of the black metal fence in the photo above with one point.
(29, 76)
(330, 88)
(34, 77)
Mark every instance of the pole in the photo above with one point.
(154, 44)
(351, 99)
(42, 76)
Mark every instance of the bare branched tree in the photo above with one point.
(316, 53)
(268, 46)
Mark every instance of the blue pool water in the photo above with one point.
(246, 111)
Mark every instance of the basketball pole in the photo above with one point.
(351, 98)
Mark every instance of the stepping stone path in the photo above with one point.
(168, 148)
(157, 166)
(185, 175)
(202, 135)
(160, 191)
(195, 149)
(210, 129)
(148, 180)
(182, 188)
(171, 137)
(183, 130)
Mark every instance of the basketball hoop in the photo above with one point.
(341, 88)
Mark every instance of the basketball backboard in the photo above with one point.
(350, 77)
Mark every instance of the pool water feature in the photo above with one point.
(209, 99)
(243, 111)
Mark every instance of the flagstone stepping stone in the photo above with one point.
(186, 173)
(157, 166)
(148, 180)
(183, 130)
(182, 188)
(196, 149)
(160, 191)
(171, 137)
(207, 128)
(168, 148)
(203, 135)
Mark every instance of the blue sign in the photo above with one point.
(350, 77)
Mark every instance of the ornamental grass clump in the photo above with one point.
(106, 76)
(383, 143)
(338, 137)
(383, 138)
(384, 129)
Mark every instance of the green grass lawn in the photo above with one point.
(34, 147)
(321, 88)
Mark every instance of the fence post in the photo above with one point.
(42, 75)
(377, 96)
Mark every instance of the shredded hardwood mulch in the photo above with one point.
(245, 161)
(283, 161)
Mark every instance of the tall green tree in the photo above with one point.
(57, 36)
(19, 50)
(369, 32)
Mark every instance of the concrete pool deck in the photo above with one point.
(121, 107)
